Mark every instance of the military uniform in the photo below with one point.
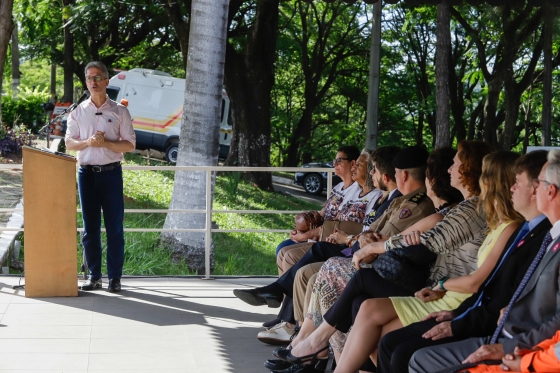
(403, 212)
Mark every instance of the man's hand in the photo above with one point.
(502, 312)
(362, 256)
(442, 330)
(428, 295)
(96, 140)
(512, 362)
(366, 237)
(486, 352)
(440, 316)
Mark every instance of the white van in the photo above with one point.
(155, 101)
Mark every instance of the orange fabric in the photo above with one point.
(544, 361)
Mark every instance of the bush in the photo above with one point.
(26, 108)
(12, 139)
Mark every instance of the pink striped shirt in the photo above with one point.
(114, 120)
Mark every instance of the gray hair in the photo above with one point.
(100, 65)
(552, 172)
(369, 161)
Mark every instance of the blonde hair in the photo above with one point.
(498, 176)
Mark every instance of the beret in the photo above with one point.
(411, 157)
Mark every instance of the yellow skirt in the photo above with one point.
(412, 309)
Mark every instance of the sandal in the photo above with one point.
(307, 359)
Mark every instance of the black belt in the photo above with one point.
(105, 167)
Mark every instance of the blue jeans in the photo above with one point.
(102, 190)
(283, 244)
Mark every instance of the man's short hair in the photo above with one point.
(382, 157)
(100, 65)
(531, 163)
(352, 153)
(417, 174)
(552, 173)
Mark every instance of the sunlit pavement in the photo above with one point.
(153, 325)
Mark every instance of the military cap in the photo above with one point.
(411, 157)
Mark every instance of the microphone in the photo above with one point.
(85, 96)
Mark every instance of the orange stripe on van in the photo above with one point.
(157, 125)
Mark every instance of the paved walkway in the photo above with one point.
(154, 325)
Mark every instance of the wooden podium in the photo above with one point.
(49, 211)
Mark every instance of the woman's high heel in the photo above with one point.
(307, 359)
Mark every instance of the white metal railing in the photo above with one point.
(208, 230)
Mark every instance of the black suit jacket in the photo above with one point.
(482, 321)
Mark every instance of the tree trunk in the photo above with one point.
(443, 53)
(180, 23)
(6, 27)
(68, 54)
(199, 137)
(249, 80)
(298, 138)
(15, 60)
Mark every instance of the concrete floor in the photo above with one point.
(154, 325)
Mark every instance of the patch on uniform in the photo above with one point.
(405, 213)
(418, 197)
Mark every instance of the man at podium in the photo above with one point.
(101, 131)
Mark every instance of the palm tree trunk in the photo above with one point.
(6, 27)
(199, 136)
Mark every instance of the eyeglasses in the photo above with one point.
(537, 182)
(339, 160)
(97, 78)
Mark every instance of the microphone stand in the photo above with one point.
(55, 119)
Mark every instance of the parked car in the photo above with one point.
(315, 182)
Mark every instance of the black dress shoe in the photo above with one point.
(274, 364)
(279, 351)
(256, 297)
(299, 368)
(114, 285)
(92, 285)
(310, 359)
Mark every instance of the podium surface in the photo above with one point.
(49, 210)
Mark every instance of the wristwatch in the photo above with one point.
(349, 239)
(441, 281)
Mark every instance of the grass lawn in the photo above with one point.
(235, 253)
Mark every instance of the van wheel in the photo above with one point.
(171, 153)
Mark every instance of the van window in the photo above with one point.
(113, 92)
(143, 97)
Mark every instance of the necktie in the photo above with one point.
(522, 232)
(547, 240)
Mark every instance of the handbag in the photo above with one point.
(408, 267)
(350, 227)
(308, 220)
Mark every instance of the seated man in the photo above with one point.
(531, 315)
(477, 316)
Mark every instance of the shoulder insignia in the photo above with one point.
(405, 213)
(418, 197)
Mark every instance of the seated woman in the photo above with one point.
(456, 238)
(378, 316)
(345, 159)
